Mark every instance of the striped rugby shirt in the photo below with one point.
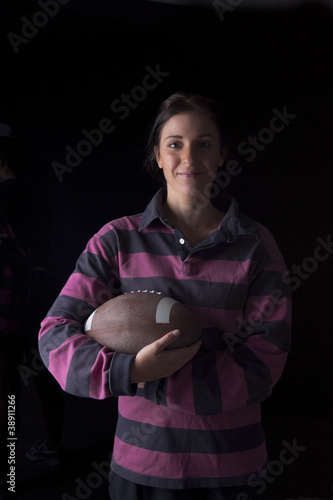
(200, 427)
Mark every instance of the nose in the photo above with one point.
(188, 155)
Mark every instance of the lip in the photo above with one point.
(189, 174)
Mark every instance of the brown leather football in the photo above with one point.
(129, 322)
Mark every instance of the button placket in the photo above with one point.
(183, 245)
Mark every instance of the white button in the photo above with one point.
(182, 241)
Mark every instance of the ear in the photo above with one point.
(222, 157)
(221, 161)
(157, 156)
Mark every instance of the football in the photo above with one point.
(129, 322)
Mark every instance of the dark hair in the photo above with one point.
(176, 104)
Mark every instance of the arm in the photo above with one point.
(250, 360)
(154, 362)
(82, 366)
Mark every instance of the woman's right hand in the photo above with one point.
(154, 361)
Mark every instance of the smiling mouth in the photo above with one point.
(189, 175)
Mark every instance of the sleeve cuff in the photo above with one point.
(156, 391)
(119, 378)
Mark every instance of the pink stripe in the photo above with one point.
(222, 271)
(170, 266)
(99, 381)
(104, 230)
(182, 397)
(52, 321)
(162, 416)
(60, 358)
(95, 246)
(144, 264)
(188, 465)
(86, 288)
(267, 308)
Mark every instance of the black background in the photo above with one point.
(66, 76)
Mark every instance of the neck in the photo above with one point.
(192, 213)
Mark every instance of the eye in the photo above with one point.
(174, 145)
(204, 144)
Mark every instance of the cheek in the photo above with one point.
(213, 163)
(167, 160)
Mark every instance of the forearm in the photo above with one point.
(153, 362)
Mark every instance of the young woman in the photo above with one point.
(189, 419)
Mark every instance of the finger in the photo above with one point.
(179, 357)
(189, 351)
(166, 340)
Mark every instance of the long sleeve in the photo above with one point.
(80, 365)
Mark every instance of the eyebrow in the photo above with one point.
(200, 136)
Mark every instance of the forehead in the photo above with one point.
(190, 124)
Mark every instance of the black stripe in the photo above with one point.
(212, 295)
(71, 308)
(206, 392)
(119, 375)
(176, 440)
(161, 243)
(268, 281)
(109, 242)
(156, 391)
(213, 339)
(154, 243)
(83, 359)
(54, 338)
(276, 332)
(95, 266)
(132, 242)
(239, 251)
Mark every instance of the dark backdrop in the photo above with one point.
(69, 68)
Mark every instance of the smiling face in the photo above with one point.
(189, 153)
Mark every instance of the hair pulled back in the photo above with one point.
(180, 103)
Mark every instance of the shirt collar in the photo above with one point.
(234, 223)
(154, 210)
